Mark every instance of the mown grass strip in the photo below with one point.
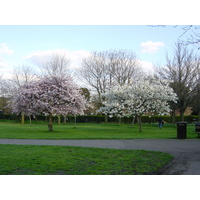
(90, 131)
(60, 160)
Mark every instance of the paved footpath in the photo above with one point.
(186, 152)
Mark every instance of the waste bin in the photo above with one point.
(181, 130)
(197, 129)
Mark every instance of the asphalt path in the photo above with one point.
(186, 152)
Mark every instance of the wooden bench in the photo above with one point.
(197, 129)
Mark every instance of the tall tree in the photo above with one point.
(136, 100)
(105, 69)
(180, 71)
(196, 95)
(24, 100)
(4, 94)
(22, 75)
(57, 65)
(49, 96)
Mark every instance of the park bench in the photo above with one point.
(197, 129)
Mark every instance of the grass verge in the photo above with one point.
(91, 131)
(59, 160)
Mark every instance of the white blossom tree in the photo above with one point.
(135, 100)
(50, 96)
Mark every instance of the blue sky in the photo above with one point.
(31, 44)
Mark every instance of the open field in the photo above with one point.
(54, 160)
(28, 159)
(90, 131)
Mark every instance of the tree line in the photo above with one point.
(104, 70)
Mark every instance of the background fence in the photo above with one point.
(102, 119)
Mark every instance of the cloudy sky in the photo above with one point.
(107, 25)
(32, 44)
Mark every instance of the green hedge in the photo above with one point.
(101, 119)
(169, 119)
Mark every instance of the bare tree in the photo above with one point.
(57, 65)
(124, 67)
(3, 96)
(104, 69)
(22, 74)
(94, 71)
(191, 32)
(181, 71)
(1, 82)
(196, 95)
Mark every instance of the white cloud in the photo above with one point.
(4, 51)
(40, 57)
(3, 63)
(151, 47)
(147, 67)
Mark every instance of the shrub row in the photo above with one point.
(101, 119)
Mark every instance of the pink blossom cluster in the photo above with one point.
(49, 96)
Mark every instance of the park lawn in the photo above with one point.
(90, 131)
(60, 160)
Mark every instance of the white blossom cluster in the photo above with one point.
(147, 96)
(49, 96)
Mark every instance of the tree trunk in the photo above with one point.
(58, 119)
(140, 123)
(50, 125)
(133, 121)
(22, 117)
(74, 121)
(172, 114)
(182, 115)
(65, 119)
(120, 120)
(30, 120)
(106, 119)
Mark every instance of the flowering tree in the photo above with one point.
(23, 101)
(49, 96)
(135, 100)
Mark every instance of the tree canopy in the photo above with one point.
(147, 96)
(49, 96)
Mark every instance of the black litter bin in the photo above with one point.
(197, 129)
(181, 130)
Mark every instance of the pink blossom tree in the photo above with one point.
(50, 96)
(23, 101)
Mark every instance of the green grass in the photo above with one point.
(60, 160)
(26, 159)
(90, 131)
